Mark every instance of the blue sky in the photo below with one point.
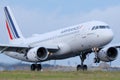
(66, 6)
(40, 16)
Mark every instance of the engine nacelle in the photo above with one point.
(108, 54)
(37, 54)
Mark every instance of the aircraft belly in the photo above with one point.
(83, 42)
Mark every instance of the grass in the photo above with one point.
(52, 75)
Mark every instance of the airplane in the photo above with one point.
(78, 40)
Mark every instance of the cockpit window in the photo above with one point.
(100, 27)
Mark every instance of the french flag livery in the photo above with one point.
(11, 25)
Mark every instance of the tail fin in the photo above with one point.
(11, 25)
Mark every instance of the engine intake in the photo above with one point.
(42, 53)
(112, 52)
(37, 54)
(108, 54)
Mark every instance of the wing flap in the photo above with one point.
(14, 48)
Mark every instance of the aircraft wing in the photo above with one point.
(114, 45)
(19, 48)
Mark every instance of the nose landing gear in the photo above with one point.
(96, 59)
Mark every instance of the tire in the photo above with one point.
(78, 67)
(84, 67)
(33, 67)
(39, 67)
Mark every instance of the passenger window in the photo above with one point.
(108, 27)
(102, 27)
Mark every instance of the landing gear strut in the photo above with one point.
(82, 66)
(37, 67)
(96, 59)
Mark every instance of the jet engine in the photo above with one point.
(108, 54)
(37, 54)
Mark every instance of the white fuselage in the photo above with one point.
(71, 40)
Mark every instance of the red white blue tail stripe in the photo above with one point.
(12, 31)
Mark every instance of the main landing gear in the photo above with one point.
(37, 67)
(82, 66)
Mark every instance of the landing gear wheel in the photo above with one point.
(84, 67)
(79, 67)
(33, 66)
(37, 67)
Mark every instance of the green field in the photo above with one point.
(52, 75)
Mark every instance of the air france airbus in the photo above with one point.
(78, 40)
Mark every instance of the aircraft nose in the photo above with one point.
(108, 35)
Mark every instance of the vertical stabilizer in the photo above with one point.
(12, 26)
